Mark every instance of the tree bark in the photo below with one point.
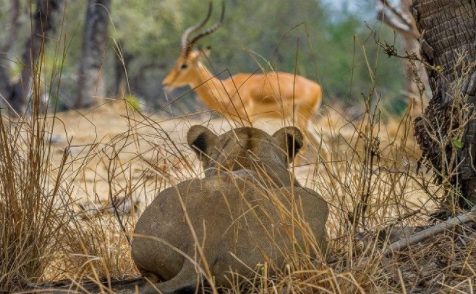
(91, 89)
(18, 94)
(121, 68)
(414, 72)
(5, 87)
(402, 22)
(448, 45)
(13, 28)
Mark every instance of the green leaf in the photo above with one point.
(458, 144)
(133, 102)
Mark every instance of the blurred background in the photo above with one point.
(336, 43)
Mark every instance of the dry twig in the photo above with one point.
(430, 232)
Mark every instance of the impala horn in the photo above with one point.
(186, 44)
(192, 29)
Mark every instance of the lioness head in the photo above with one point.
(244, 148)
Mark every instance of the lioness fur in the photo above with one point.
(247, 210)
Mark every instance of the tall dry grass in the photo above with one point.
(370, 182)
(34, 207)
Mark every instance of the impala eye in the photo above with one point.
(183, 66)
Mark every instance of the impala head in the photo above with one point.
(186, 69)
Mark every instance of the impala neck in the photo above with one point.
(208, 87)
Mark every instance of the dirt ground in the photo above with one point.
(114, 151)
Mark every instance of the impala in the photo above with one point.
(245, 97)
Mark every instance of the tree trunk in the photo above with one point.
(446, 131)
(416, 78)
(5, 87)
(402, 22)
(121, 68)
(13, 26)
(91, 89)
(43, 24)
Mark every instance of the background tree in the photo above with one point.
(448, 46)
(17, 95)
(121, 67)
(332, 45)
(91, 88)
(12, 26)
(329, 46)
(400, 19)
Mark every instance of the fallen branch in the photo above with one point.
(427, 233)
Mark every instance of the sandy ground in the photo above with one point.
(116, 153)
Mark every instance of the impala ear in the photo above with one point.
(201, 140)
(199, 54)
(290, 139)
(208, 51)
(205, 52)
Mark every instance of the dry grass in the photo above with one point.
(371, 184)
(34, 206)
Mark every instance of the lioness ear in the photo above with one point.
(290, 139)
(201, 139)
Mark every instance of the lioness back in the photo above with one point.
(247, 210)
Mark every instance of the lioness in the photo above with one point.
(247, 210)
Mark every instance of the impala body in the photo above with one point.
(246, 97)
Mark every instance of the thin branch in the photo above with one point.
(400, 23)
(398, 13)
(430, 232)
